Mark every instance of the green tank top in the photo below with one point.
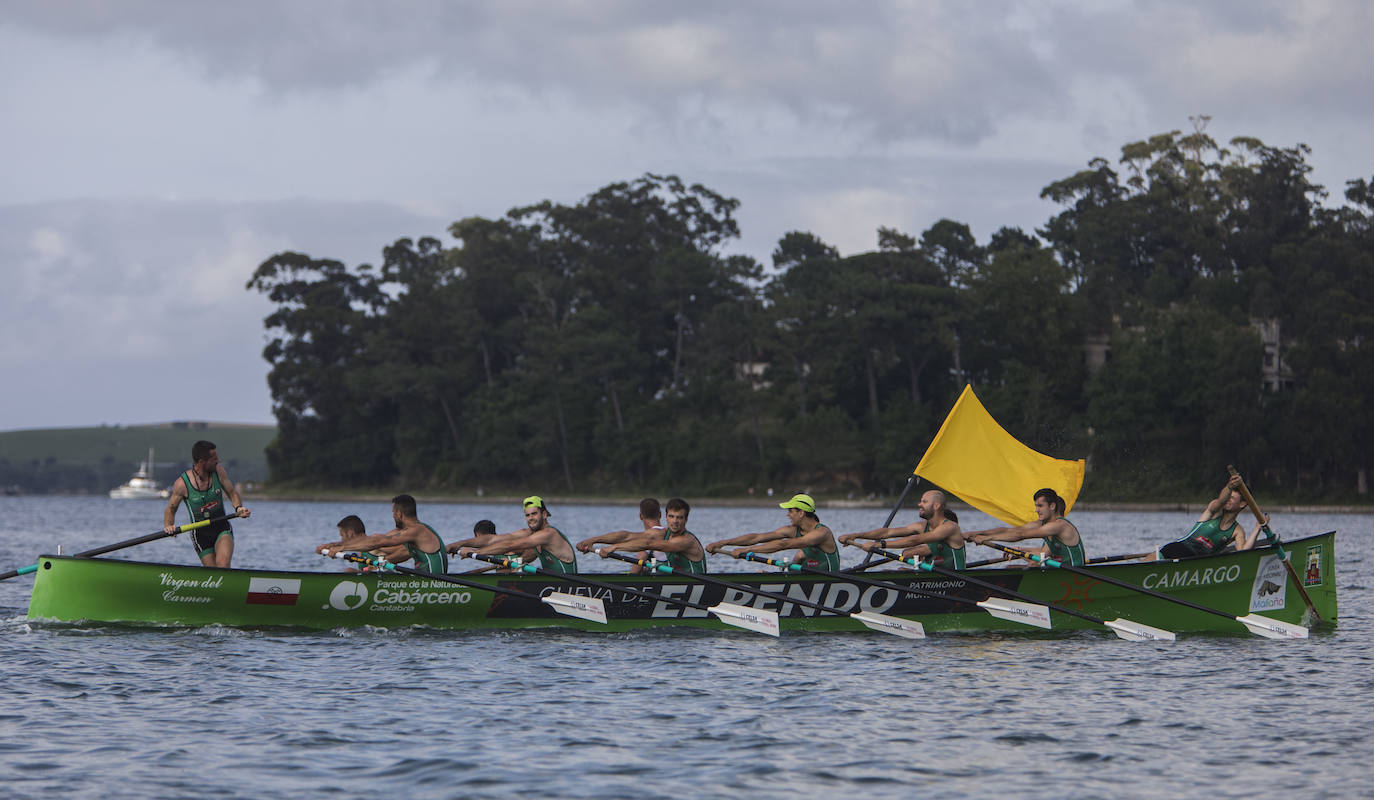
(946, 556)
(681, 561)
(815, 557)
(206, 503)
(552, 563)
(429, 562)
(1208, 537)
(1073, 556)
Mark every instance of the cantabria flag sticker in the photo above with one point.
(274, 591)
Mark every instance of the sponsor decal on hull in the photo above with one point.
(1312, 574)
(396, 595)
(1184, 578)
(1267, 592)
(273, 591)
(188, 590)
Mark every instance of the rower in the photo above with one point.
(650, 517)
(682, 547)
(1062, 541)
(935, 537)
(814, 542)
(551, 547)
(421, 542)
(1217, 529)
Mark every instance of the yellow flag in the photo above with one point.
(986, 467)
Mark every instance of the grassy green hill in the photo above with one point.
(95, 460)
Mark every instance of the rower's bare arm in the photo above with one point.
(677, 544)
(917, 551)
(370, 542)
(747, 539)
(878, 534)
(614, 537)
(1248, 542)
(631, 542)
(1030, 530)
(508, 543)
(769, 546)
(945, 531)
(472, 541)
(891, 544)
(169, 514)
(233, 492)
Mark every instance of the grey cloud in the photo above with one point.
(144, 302)
(888, 69)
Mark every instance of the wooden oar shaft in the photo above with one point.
(992, 587)
(1276, 543)
(570, 578)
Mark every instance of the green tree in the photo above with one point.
(332, 428)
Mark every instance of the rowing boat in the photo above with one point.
(70, 589)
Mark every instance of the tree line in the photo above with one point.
(1189, 306)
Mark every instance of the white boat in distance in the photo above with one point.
(141, 486)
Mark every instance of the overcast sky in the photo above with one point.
(154, 152)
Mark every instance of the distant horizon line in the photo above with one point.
(190, 424)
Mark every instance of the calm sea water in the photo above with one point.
(93, 711)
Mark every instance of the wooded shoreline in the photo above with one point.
(729, 502)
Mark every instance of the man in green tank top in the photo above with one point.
(682, 547)
(203, 487)
(814, 543)
(483, 534)
(1217, 528)
(551, 547)
(421, 542)
(1062, 542)
(935, 537)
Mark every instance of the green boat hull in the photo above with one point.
(70, 589)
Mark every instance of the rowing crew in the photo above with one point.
(935, 537)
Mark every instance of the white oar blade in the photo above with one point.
(754, 619)
(1016, 611)
(893, 625)
(1137, 632)
(588, 608)
(1272, 628)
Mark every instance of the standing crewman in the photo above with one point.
(203, 487)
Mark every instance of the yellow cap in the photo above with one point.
(802, 502)
(534, 500)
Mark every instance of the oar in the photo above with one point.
(871, 619)
(110, 548)
(1016, 611)
(1262, 626)
(753, 619)
(1122, 557)
(1004, 557)
(1124, 628)
(1274, 542)
(588, 608)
